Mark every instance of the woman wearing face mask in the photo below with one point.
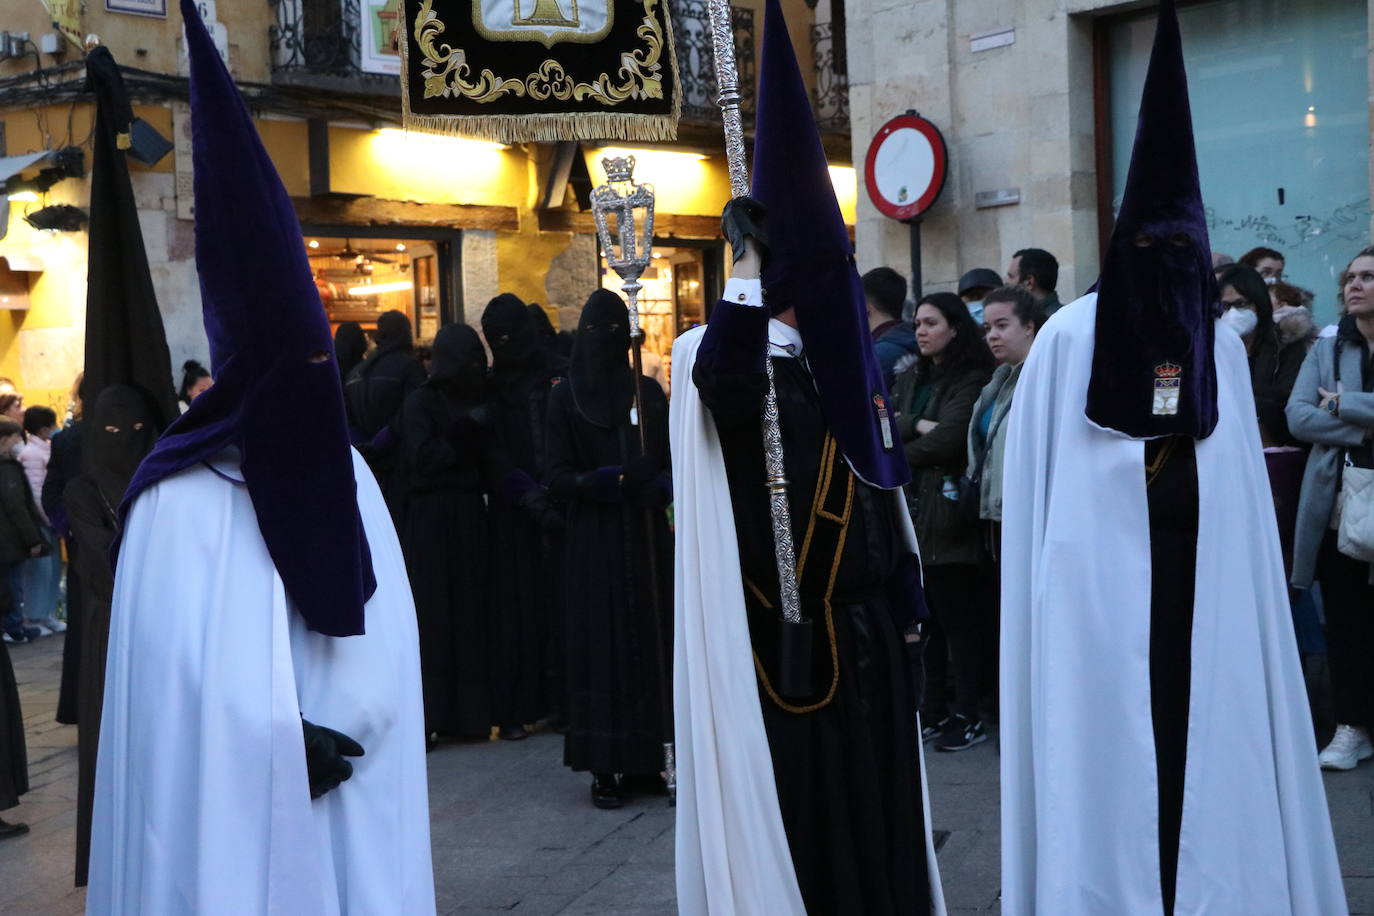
(934, 401)
(1332, 407)
(445, 447)
(1275, 352)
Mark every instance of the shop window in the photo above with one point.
(676, 289)
(1279, 93)
(358, 279)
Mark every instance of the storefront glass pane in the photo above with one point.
(1279, 92)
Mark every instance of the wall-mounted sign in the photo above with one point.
(906, 166)
(138, 7)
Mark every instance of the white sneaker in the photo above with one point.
(35, 625)
(1348, 747)
(52, 623)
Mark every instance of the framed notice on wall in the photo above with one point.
(138, 7)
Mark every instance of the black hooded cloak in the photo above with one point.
(619, 631)
(526, 646)
(374, 391)
(445, 443)
(121, 431)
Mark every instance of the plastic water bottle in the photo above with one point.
(950, 489)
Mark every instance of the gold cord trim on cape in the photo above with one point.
(830, 459)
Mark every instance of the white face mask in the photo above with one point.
(16, 448)
(1242, 321)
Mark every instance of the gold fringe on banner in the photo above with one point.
(551, 126)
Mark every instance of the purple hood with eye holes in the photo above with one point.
(277, 396)
(1154, 373)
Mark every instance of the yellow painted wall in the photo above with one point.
(399, 165)
(522, 261)
(150, 42)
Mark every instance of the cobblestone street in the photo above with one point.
(514, 831)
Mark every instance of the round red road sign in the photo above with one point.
(906, 166)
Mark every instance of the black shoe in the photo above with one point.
(8, 830)
(514, 733)
(935, 729)
(961, 734)
(606, 791)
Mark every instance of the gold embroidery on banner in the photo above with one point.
(447, 74)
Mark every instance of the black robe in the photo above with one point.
(374, 392)
(14, 766)
(524, 638)
(618, 633)
(445, 462)
(1172, 494)
(845, 760)
(93, 526)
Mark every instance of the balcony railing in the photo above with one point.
(831, 95)
(696, 61)
(318, 43)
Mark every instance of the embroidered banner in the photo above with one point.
(522, 70)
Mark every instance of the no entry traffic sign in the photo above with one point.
(906, 167)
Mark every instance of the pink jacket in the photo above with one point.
(34, 458)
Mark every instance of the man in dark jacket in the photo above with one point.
(894, 340)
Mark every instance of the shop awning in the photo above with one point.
(11, 166)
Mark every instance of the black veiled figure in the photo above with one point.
(374, 391)
(446, 458)
(524, 636)
(617, 625)
(121, 432)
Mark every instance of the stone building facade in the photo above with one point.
(1037, 99)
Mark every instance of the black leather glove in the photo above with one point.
(741, 219)
(541, 509)
(325, 750)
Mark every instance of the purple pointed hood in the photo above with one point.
(811, 264)
(1154, 373)
(277, 395)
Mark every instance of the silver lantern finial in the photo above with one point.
(629, 245)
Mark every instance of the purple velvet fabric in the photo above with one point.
(1157, 300)
(735, 340)
(277, 394)
(811, 263)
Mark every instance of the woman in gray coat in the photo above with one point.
(1332, 406)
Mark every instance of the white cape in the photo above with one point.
(202, 801)
(732, 852)
(1079, 796)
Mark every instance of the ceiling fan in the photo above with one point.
(348, 252)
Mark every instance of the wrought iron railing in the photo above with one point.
(322, 40)
(831, 95)
(696, 60)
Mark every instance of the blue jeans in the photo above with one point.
(41, 580)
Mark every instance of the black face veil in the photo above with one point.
(601, 378)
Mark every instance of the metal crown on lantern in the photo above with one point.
(627, 251)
